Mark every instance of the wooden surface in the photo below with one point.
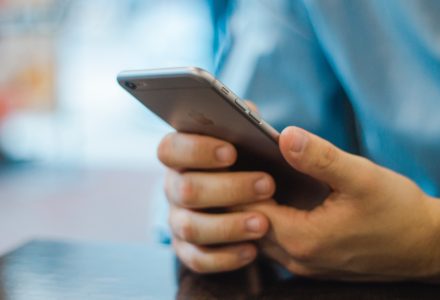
(55, 270)
(69, 271)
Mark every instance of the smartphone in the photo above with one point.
(192, 100)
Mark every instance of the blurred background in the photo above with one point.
(78, 153)
(59, 101)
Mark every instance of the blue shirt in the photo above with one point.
(363, 74)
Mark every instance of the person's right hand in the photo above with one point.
(198, 180)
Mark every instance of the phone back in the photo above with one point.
(193, 101)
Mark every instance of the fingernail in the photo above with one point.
(246, 254)
(253, 224)
(299, 139)
(262, 186)
(224, 154)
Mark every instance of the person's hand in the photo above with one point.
(196, 182)
(375, 225)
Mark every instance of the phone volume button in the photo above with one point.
(255, 117)
(225, 90)
(241, 105)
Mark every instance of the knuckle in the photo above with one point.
(328, 158)
(186, 229)
(189, 257)
(193, 262)
(163, 150)
(186, 191)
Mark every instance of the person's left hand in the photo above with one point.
(375, 225)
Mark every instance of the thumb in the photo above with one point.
(322, 160)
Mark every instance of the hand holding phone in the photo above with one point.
(222, 156)
(192, 101)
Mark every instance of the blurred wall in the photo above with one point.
(58, 95)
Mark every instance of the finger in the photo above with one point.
(191, 151)
(278, 254)
(320, 159)
(211, 260)
(205, 190)
(272, 250)
(251, 106)
(290, 228)
(206, 229)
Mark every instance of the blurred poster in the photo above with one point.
(27, 73)
(27, 56)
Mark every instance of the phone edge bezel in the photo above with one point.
(203, 76)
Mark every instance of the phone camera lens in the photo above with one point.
(130, 85)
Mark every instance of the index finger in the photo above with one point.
(193, 151)
(252, 106)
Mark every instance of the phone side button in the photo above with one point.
(224, 90)
(255, 117)
(241, 105)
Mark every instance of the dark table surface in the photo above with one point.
(58, 270)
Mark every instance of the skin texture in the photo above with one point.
(375, 225)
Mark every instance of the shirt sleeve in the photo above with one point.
(275, 59)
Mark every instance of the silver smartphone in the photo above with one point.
(192, 100)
